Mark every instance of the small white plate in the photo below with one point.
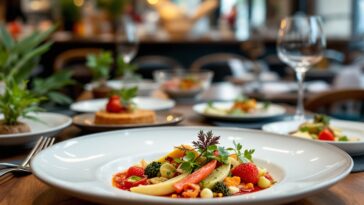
(84, 166)
(145, 87)
(350, 129)
(147, 103)
(49, 124)
(272, 112)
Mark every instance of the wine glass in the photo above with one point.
(127, 39)
(301, 43)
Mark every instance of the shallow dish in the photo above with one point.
(272, 111)
(48, 124)
(86, 122)
(350, 129)
(145, 87)
(147, 103)
(84, 166)
(183, 84)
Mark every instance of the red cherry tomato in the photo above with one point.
(135, 171)
(114, 105)
(326, 134)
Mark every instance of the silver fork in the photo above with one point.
(41, 144)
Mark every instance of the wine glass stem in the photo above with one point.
(300, 113)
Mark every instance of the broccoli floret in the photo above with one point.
(220, 187)
(152, 170)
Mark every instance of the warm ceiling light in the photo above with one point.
(78, 3)
(152, 2)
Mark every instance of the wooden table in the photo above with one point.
(29, 190)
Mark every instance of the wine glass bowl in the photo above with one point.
(127, 39)
(301, 44)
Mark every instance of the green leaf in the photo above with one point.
(100, 64)
(187, 167)
(17, 73)
(248, 154)
(17, 102)
(343, 138)
(321, 119)
(59, 98)
(190, 156)
(6, 38)
(266, 105)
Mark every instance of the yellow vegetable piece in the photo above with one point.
(264, 182)
(160, 189)
(177, 153)
(232, 181)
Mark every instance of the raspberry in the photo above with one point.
(135, 171)
(247, 172)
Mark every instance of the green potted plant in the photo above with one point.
(17, 102)
(100, 66)
(18, 58)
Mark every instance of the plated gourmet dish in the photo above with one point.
(320, 129)
(241, 106)
(121, 110)
(204, 170)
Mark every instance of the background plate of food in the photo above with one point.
(86, 167)
(141, 102)
(43, 124)
(244, 110)
(347, 135)
(145, 87)
(87, 122)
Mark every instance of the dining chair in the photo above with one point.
(148, 64)
(345, 104)
(75, 60)
(223, 65)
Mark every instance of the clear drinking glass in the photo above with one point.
(127, 39)
(301, 43)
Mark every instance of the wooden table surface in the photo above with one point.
(29, 190)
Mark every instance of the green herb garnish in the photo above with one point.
(126, 95)
(244, 157)
(324, 119)
(266, 105)
(188, 162)
(343, 138)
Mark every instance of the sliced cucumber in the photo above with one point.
(218, 175)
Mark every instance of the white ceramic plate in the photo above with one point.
(49, 124)
(145, 87)
(84, 166)
(87, 122)
(147, 103)
(350, 129)
(272, 112)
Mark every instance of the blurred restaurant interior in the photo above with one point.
(234, 38)
(221, 64)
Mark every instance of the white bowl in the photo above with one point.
(84, 166)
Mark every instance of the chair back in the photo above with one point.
(223, 65)
(148, 64)
(345, 104)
